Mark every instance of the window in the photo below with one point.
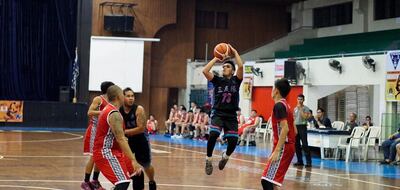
(385, 9)
(334, 15)
(205, 19)
(211, 19)
(222, 20)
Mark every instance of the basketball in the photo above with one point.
(220, 50)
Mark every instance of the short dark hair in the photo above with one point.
(283, 87)
(127, 89)
(183, 109)
(190, 111)
(105, 85)
(368, 117)
(231, 63)
(254, 110)
(310, 111)
(321, 109)
(112, 92)
(301, 96)
(239, 109)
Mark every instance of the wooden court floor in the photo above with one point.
(54, 160)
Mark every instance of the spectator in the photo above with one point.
(323, 121)
(181, 119)
(311, 120)
(398, 154)
(170, 121)
(186, 125)
(351, 123)
(240, 118)
(389, 148)
(202, 125)
(368, 122)
(152, 125)
(193, 106)
(248, 127)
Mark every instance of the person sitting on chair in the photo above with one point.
(248, 127)
(322, 120)
(351, 124)
(389, 147)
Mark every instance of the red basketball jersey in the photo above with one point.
(291, 136)
(93, 119)
(105, 142)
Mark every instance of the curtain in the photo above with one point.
(37, 45)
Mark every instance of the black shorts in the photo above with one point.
(140, 145)
(228, 124)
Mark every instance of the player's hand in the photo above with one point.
(274, 156)
(137, 169)
(234, 52)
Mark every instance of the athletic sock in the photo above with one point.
(96, 176)
(87, 177)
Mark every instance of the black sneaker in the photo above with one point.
(384, 162)
(152, 185)
(222, 162)
(298, 164)
(209, 167)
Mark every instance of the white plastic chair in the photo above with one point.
(259, 129)
(355, 143)
(373, 133)
(252, 136)
(338, 125)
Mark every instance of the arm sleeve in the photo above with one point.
(280, 112)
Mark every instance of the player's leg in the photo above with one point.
(142, 150)
(243, 137)
(215, 130)
(267, 185)
(232, 137)
(87, 150)
(88, 171)
(95, 182)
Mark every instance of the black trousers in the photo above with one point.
(302, 137)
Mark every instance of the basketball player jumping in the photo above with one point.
(111, 152)
(226, 103)
(136, 131)
(284, 138)
(98, 104)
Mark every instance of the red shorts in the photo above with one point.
(115, 167)
(88, 141)
(275, 171)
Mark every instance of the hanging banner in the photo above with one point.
(11, 111)
(247, 88)
(393, 76)
(279, 68)
(248, 66)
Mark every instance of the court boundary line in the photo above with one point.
(48, 140)
(158, 184)
(30, 187)
(291, 168)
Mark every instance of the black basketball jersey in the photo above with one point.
(226, 96)
(129, 118)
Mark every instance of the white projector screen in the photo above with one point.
(119, 60)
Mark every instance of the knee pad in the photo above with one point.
(138, 182)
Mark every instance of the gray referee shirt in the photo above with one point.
(298, 120)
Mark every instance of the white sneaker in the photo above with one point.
(174, 136)
(179, 137)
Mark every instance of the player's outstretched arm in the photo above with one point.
(207, 69)
(239, 62)
(93, 107)
(140, 121)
